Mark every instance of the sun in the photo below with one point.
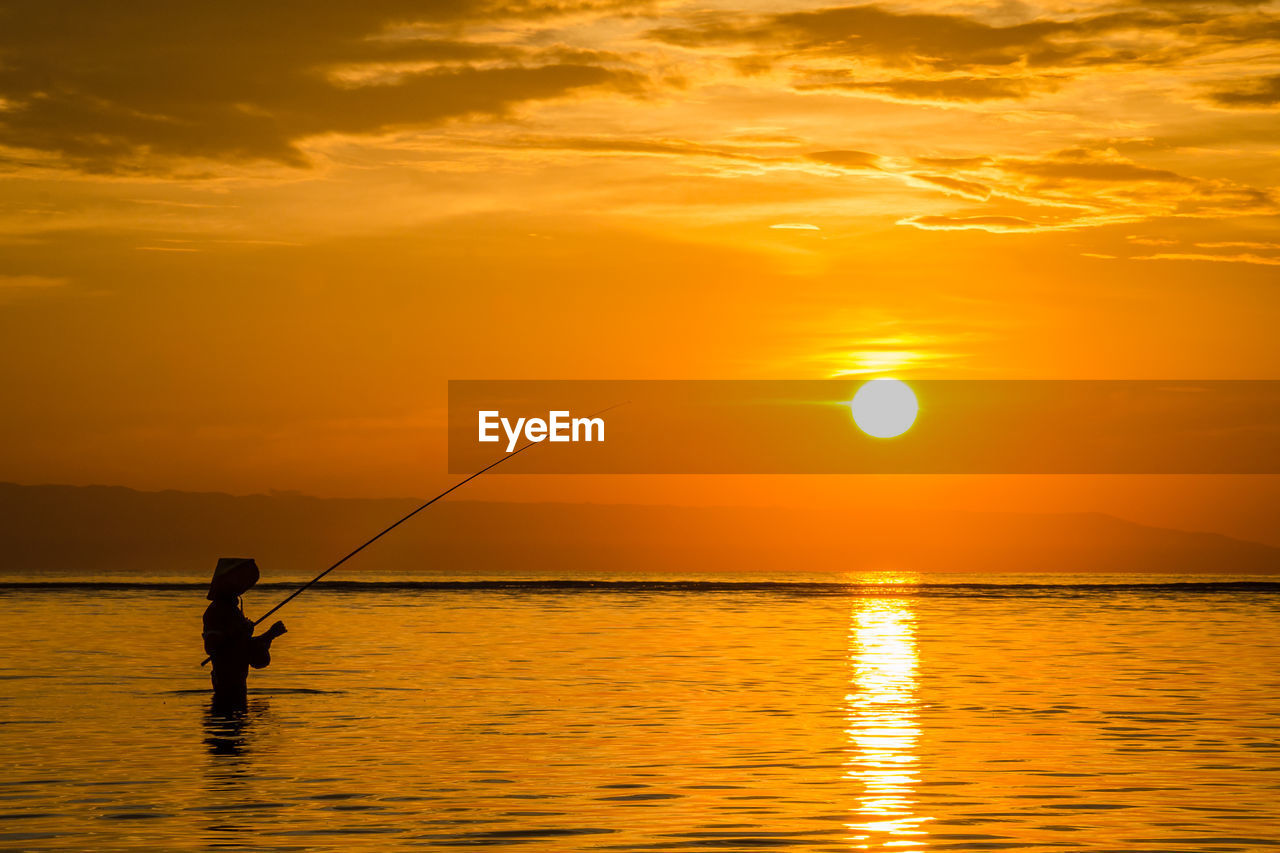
(884, 407)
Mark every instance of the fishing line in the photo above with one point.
(456, 485)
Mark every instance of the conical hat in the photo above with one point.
(232, 576)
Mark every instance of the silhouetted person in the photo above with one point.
(228, 633)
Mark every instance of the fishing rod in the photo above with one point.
(456, 485)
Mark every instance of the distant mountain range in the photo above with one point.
(115, 529)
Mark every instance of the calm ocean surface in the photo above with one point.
(1133, 713)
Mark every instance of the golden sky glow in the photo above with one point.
(244, 244)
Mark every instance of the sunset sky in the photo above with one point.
(243, 246)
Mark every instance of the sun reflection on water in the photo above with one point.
(882, 726)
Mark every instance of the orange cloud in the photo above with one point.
(943, 89)
(1086, 165)
(1262, 93)
(953, 42)
(968, 189)
(126, 87)
(993, 224)
(847, 159)
(1226, 259)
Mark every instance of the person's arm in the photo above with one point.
(271, 633)
(260, 646)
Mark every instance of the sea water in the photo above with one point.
(898, 712)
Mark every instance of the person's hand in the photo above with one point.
(277, 629)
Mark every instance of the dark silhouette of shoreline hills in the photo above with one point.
(116, 529)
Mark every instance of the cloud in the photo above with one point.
(1240, 244)
(119, 87)
(847, 159)
(955, 58)
(1261, 93)
(1080, 164)
(1073, 188)
(968, 189)
(954, 162)
(1227, 259)
(992, 224)
(867, 30)
(624, 145)
(944, 89)
(1079, 188)
(1176, 3)
(952, 41)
